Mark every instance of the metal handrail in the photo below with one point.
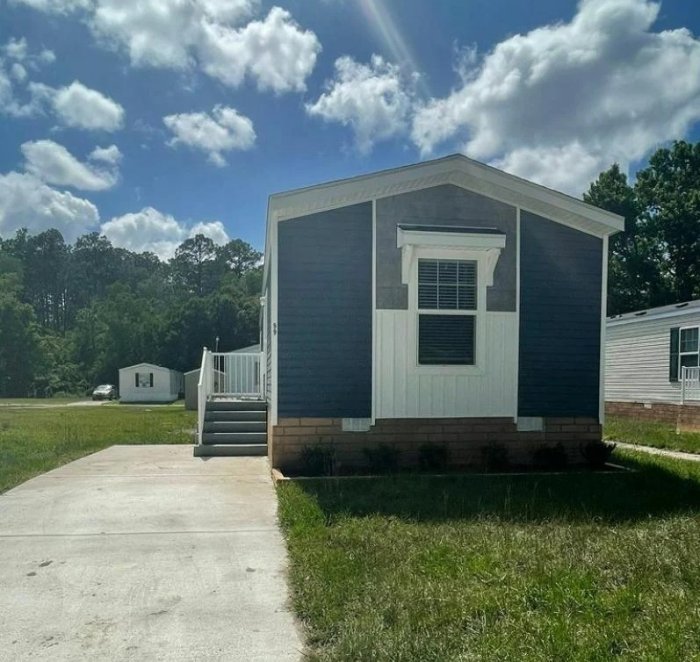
(203, 392)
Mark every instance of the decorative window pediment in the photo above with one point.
(484, 244)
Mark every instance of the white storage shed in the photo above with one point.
(145, 382)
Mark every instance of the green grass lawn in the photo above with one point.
(34, 440)
(569, 567)
(659, 435)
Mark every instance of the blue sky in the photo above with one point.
(150, 125)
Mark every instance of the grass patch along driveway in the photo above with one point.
(569, 567)
(647, 433)
(35, 440)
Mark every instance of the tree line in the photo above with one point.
(656, 260)
(72, 315)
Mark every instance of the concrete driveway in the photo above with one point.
(145, 553)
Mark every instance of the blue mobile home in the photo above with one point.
(444, 302)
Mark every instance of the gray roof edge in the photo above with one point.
(150, 365)
(614, 221)
(680, 308)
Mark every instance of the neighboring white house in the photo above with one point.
(145, 382)
(652, 356)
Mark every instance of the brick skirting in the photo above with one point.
(684, 417)
(464, 437)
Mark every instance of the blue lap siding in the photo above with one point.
(325, 314)
(560, 318)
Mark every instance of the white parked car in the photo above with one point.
(105, 392)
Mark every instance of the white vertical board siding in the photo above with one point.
(637, 360)
(405, 390)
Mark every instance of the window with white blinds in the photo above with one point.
(446, 335)
(447, 284)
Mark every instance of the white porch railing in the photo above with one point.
(228, 375)
(237, 375)
(204, 386)
(690, 384)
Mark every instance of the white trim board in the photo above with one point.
(373, 406)
(603, 313)
(516, 381)
(273, 326)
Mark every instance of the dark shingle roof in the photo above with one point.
(693, 305)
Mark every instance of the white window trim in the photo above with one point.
(486, 257)
(682, 354)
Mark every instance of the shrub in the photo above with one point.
(597, 453)
(318, 460)
(550, 457)
(382, 459)
(433, 457)
(495, 457)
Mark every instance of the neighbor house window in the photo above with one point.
(688, 348)
(684, 351)
(144, 380)
(447, 301)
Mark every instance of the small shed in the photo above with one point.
(146, 382)
(191, 382)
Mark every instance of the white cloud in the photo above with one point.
(153, 231)
(26, 202)
(55, 6)
(46, 56)
(10, 104)
(19, 73)
(563, 101)
(74, 105)
(275, 52)
(215, 35)
(153, 33)
(54, 164)
(110, 155)
(228, 11)
(567, 168)
(6, 93)
(16, 49)
(15, 60)
(84, 108)
(372, 99)
(222, 131)
(215, 230)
